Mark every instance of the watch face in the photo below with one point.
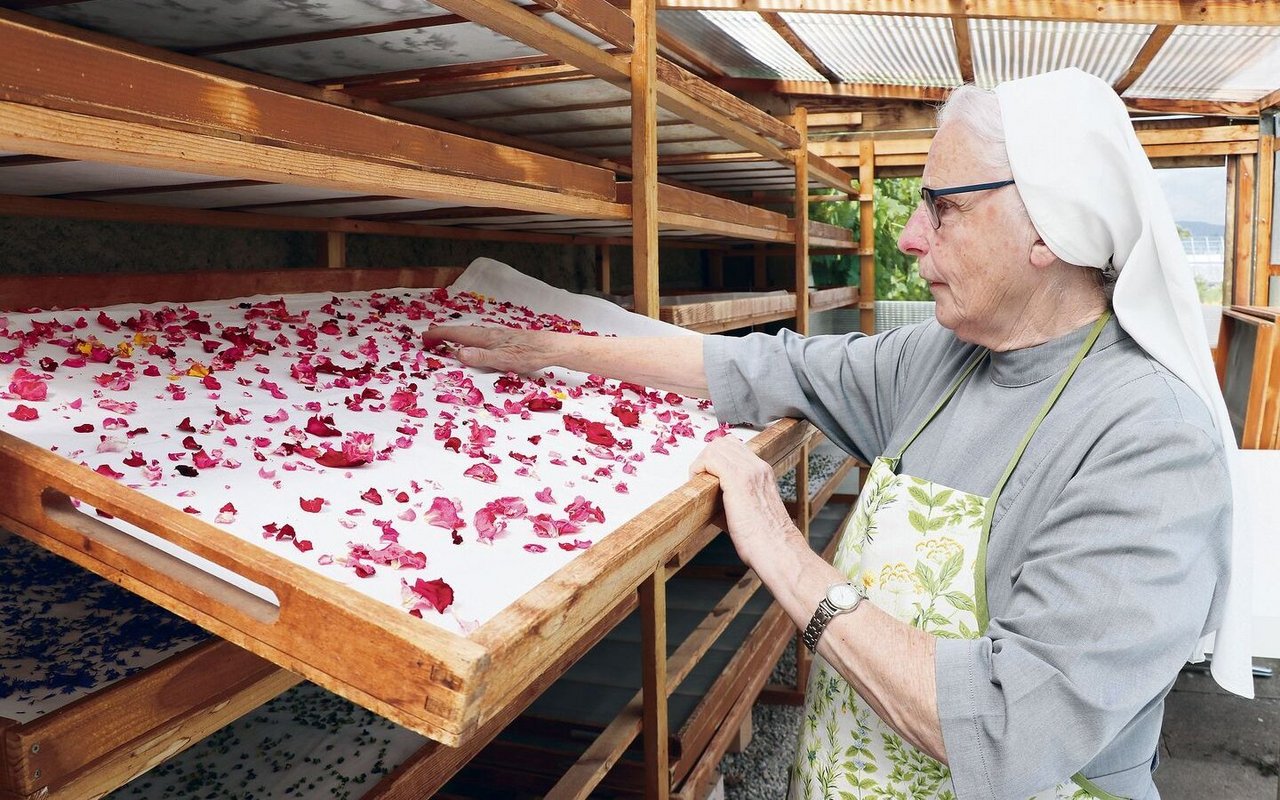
(843, 595)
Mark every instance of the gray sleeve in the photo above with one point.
(847, 385)
(1108, 602)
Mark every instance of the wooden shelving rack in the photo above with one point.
(173, 136)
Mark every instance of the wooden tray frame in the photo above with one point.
(1262, 410)
(437, 683)
(105, 739)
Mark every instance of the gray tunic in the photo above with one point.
(1109, 548)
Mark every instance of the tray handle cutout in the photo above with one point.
(176, 576)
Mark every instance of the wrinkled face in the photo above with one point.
(977, 263)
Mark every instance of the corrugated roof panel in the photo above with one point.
(1005, 49)
(200, 23)
(867, 48)
(551, 97)
(384, 52)
(740, 43)
(1235, 62)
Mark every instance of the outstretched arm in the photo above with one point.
(670, 363)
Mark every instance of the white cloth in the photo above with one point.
(1093, 197)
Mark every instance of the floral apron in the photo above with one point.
(918, 550)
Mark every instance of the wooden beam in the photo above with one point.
(309, 203)
(598, 16)
(1242, 244)
(308, 91)
(333, 250)
(1203, 108)
(644, 166)
(678, 90)
(964, 49)
(1269, 101)
(798, 44)
(1264, 223)
(1157, 12)
(653, 634)
(1159, 35)
(935, 94)
(21, 206)
(56, 72)
(801, 257)
(442, 81)
(867, 234)
(676, 48)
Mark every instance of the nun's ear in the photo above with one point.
(1041, 256)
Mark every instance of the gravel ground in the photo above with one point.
(760, 772)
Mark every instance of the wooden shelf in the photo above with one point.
(115, 728)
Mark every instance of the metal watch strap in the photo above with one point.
(822, 615)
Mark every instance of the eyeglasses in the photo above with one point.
(930, 197)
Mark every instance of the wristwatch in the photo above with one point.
(841, 599)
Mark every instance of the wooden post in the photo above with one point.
(333, 250)
(653, 637)
(644, 158)
(800, 120)
(1242, 247)
(867, 234)
(1265, 209)
(1229, 236)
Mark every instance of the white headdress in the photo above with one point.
(1093, 198)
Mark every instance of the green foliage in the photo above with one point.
(1210, 293)
(896, 275)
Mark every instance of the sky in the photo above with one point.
(1196, 194)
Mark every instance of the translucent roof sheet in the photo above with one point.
(198, 23)
(742, 44)
(1005, 49)
(1214, 63)
(863, 48)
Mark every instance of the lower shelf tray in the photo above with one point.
(98, 685)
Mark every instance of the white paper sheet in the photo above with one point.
(242, 426)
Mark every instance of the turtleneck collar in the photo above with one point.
(1015, 368)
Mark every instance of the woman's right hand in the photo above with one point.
(497, 348)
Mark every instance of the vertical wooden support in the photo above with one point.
(867, 234)
(1242, 242)
(1229, 235)
(603, 259)
(653, 638)
(1265, 210)
(800, 120)
(644, 158)
(760, 280)
(333, 250)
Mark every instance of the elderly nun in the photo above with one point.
(1045, 535)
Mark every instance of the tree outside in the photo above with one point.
(897, 277)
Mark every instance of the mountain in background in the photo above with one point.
(1202, 228)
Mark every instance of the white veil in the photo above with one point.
(1093, 198)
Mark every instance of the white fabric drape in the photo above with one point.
(1093, 197)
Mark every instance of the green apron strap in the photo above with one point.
(980, 584)
(974, 360)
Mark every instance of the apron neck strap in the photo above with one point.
(969, 367)
(1076, 360)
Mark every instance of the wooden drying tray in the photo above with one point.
(749, 308)
(107, 738)
(833, 297)
(438, 683)
(716, 316)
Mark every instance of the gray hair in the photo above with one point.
(979, 111)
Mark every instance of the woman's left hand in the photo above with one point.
(754, 512)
